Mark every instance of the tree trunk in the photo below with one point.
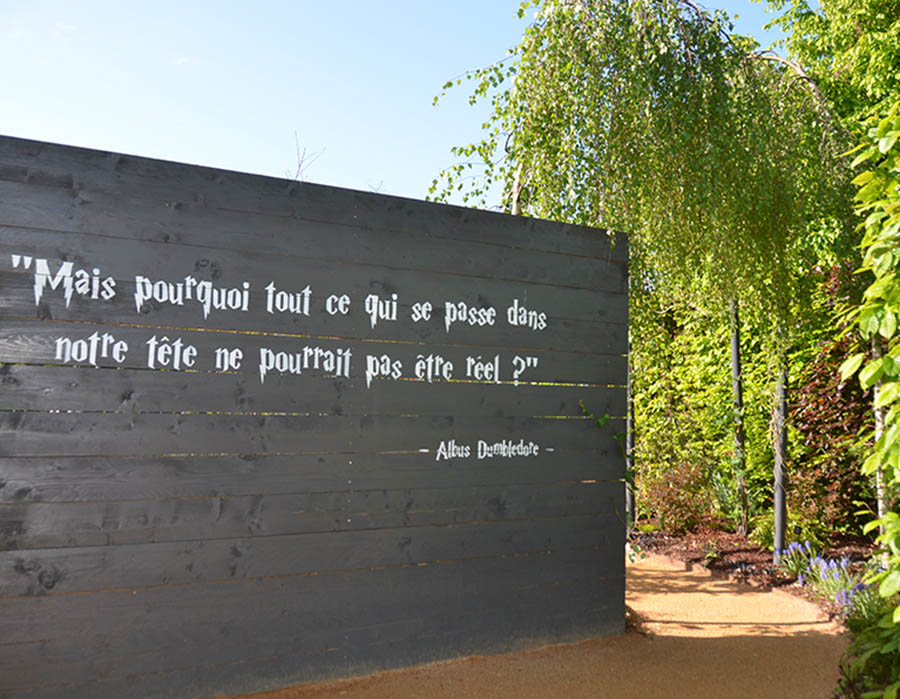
(880, 491)
(737, 387)
(780, 456)
(515, 205)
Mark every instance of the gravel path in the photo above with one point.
(701, 637)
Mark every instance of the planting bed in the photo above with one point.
(734, 555)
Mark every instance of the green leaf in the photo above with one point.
(882, 263)
(868, 321)
(890, 585)
(852, 150)
(870, 526)
(891, 365)
(865, 155)
(871, 373)
(875, 217)
(887, 142)
(863, 178)
(887, 394)
(871, 191)
(888, 324)
(851, 364)
(871, 464)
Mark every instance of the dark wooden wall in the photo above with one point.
(182, 533)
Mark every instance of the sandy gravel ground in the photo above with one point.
(703, 637)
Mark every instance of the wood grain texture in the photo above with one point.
(105, 434)
(181, 531)
(73, 479)
(42, 387)
(429, 612)
(34, 341)
(355, 541)
(176, 187)
(34, 525)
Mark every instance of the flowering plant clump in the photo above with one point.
(828, 577)
(793, 561)
(865, 606)
(835, 581)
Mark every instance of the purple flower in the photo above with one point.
(801, 579)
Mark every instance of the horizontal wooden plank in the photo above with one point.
(176, 530)
(46, 388)
(295, 662)
(305, 654)
(566, 605)
(207, 558)
(17, 306)
(106, 434)
(39, 525)
(103, 479)
(293, 283)
(305, 362)
(344, 599)
(215, 239)
(284, 668)
(84, 172)
(78, 232)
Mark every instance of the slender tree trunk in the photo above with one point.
(880, 491)
(780, 456)
(514, 203)
(737, 388)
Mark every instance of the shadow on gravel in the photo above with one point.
(691, 635)
(632, 665)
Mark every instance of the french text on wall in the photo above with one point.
(256, 431)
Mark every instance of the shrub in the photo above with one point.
(872, 663)
(798, 529)
(828, 415)
(678, 497)
(684, 416)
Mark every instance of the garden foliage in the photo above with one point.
(722, 162)
(646, 116)
(877, 319)
(684, 447)
(851, 48)
(829, 416)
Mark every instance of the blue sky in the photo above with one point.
(238, 85)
